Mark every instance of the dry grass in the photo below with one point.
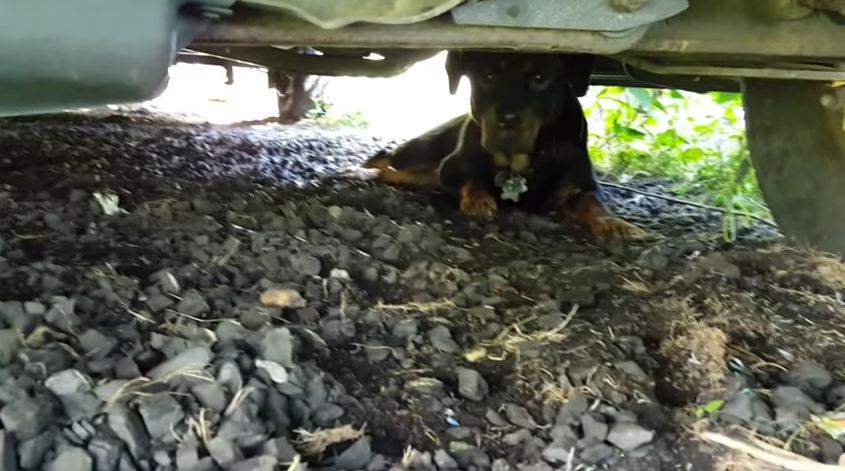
(317, 442)
(428, 307)
(513, 339)
(751, 452)
(138, 386)
(697, 351)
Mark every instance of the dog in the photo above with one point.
(524, 141)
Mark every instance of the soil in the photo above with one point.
(442, 336)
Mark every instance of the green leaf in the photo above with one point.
(709, 408)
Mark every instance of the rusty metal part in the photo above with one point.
(394, 62)
(699, 32)
(773, 71)
(330, 14)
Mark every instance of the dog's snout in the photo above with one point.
(509, 120)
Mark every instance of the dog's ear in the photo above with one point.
(455, 69)
(577, 69)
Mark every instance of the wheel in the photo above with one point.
(797, 147)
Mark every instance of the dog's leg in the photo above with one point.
(477, 201)
(586, 209)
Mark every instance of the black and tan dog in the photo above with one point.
(525, 140)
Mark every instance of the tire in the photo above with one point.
(798, 151)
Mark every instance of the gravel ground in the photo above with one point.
(233, 312)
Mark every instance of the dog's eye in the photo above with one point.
(487, 79)
(539, 81)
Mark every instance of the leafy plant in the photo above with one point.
(697, 141)
(324, 115)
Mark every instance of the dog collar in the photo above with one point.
(512, 185)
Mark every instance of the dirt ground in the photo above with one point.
(240, 308)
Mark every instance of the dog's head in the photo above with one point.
(514, 95)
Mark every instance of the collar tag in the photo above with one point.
(512, 185)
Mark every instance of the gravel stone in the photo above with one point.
(519, 416)
(211, 396)
(73, 459)
(326, 415)
(224, 452)
(596, 454)
(259, 463)
(129, 427)
(106, 452)
(61, 313)
(277, 346)
(96, 345)
(305, 264)
(717, 262)
(557, 454)
(570, 412)
(194, 358)
(810, 376)
(9, 345)
(356, 456)
(25, 418)
(405, 329)
(74, 390)
(441, 339)
(593, 428)
(444, 461)
(467, 455)
(281, 448)
(8, 460)
(629, 436)
(161, 414)
(193, 304)
(471, 384)
(31, 452)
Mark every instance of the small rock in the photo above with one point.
(738, 407)
(96, 345)
(632, 369)
(259, 463)
(519, 416)
(73, 459)
(74, 390)
(405, 329)
(441, 339)
(356, 456)
(9, 345)
(25, 418)
(34, 308)
(31, 452)
(281, 448)
(283, 298)
(8, 459)
(467, 455)
(629, 436)
(557, 454)
(326, 414)
(194, 358)
(495, 418)
(795, 400)
(167, 282)
(593, 428)
(595, 454)
(471, 384)
(810, 376)
(105, 450)
(61, 313)
(17, 317)
(129, 427)
(500, 464)
(161, 415)
(338, 331)
(570, 412)
(277, 373)
(192, 304)
(211, 396)
(187, 455)
(443, 460)
(223, 451)
(277, 346)
(305, 264)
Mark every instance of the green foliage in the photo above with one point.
(695, 140)
(324, 115)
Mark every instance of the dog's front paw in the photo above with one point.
(477, 202)
(612, 227)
